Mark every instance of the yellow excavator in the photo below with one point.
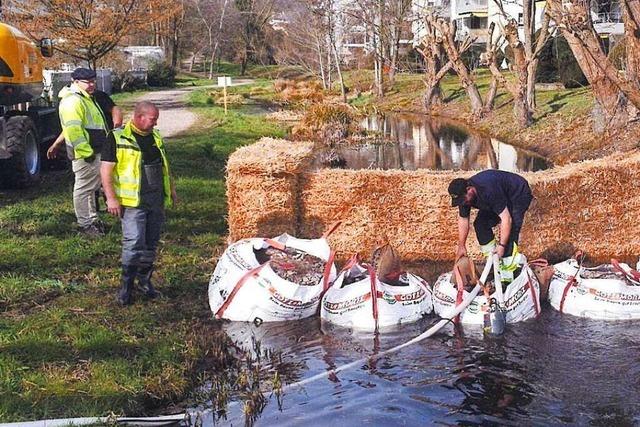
(28, 122)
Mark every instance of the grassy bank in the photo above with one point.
(66, 348)
(562, 128)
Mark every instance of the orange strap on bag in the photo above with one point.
(533, 294)
(327, 271)
(374, 294)
(632, 274)
(460, 285)
(251, 273)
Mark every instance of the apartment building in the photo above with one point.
(475, 16)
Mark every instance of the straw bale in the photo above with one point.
(271, 156)
(262, 187)
(593, 206)
(261, 206)
(408, 207)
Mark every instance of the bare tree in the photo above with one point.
(454, 49)
(254, 16)
(385, 22)
(525, 57)
(436, 63)
(311, 39)
(612, 91)
(212, 15)
(89, 30)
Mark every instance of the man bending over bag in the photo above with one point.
(501, 198)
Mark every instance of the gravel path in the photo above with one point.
(175, 118)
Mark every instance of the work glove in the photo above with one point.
(90, 159)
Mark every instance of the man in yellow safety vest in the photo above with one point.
(138, 186)
(85, 132)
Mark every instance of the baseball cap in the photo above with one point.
(83, 74)
(457, 191)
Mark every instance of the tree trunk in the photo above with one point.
(432, 52)
(453, 49)
(343, 90)
(532, 70)
(610, 109)
(491, 95)
(193, 60)
(611, 91)
(518, 89)
(631, 11)
(321, 64)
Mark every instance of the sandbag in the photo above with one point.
(521, 298)
(348, 301)
(244, 288)
(608, 291)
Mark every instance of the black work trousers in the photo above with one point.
(486, 220)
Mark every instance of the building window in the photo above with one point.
(476, 23)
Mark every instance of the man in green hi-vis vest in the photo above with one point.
(138, 186)
(85, 132)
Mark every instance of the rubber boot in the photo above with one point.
(126, 291)
(144, 282)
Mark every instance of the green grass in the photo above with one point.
(66, 348)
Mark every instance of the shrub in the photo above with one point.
(327, 122)
(547, 71)
(290, 91)
(569, 71)
(161, 74)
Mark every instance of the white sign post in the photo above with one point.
(224, 81)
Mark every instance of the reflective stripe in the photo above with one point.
(77, 141)
(128, 147)
(487, 249)
(72, 123)
(125, 179)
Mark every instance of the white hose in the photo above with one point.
(161, 420)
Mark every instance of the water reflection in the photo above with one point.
(412, 141)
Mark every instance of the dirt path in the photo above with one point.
(175, 117)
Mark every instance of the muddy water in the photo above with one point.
(556, 370)
(414, 141)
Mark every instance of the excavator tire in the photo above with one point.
(23, 168)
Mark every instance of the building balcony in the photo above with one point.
(607, 17)
(463, 7)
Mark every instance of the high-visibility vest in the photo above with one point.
(82, 121)
(127, 174)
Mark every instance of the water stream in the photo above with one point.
(556, 370)
(415, 141)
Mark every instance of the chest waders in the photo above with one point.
(141, 225)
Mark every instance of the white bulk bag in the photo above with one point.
(608, 292)
(521, 298)
(351, 305)
(242, 289)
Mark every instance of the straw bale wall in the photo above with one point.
(263, 187)
(593, 206)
